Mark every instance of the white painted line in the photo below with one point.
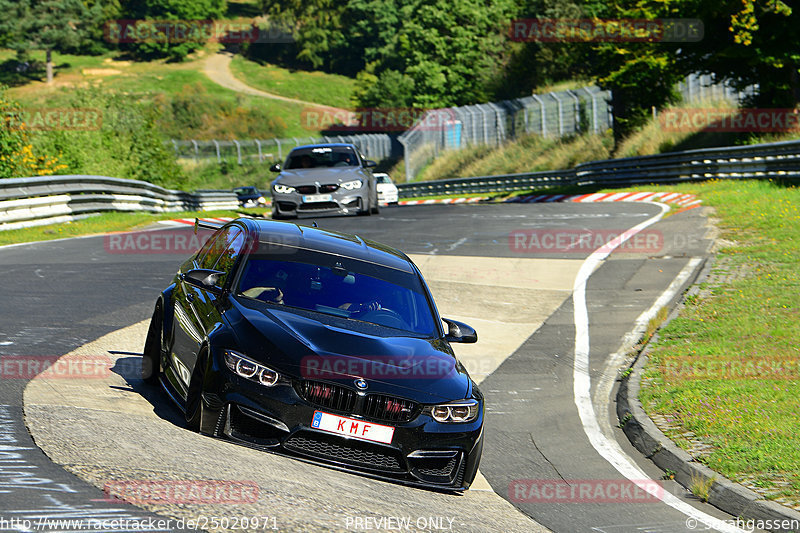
(608, 448)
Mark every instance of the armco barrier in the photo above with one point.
(779, 160)
(50, 199)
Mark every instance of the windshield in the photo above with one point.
(341, 287)
(383, 178)
(322, 156)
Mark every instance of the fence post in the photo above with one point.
(260, 157)
(238, 151)
(216, 145)
(577, 110)
(594, 109)
(544, 120)
(196, 151)
(560, 114)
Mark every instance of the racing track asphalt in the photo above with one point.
(59, 295)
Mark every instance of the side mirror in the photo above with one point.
(276, 167)
(369, 163)
(459, 332)
(203, 278)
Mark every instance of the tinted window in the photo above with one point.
(323, 156)
(342, 287)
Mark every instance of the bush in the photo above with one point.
(128, 143)
(18, 157)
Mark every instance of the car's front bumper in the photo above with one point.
(422, 452)
(387, 197)
(293, 204)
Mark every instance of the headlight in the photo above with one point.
(351, 185)
(282, 189)
(249, 369)
(455, 412)
(261, 200)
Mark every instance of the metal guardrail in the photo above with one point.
(26, 202)
(779, 160)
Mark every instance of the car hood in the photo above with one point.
(322, 175)
(424, 370)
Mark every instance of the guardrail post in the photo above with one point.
(196, 151)
(260, 157)
(216, 145)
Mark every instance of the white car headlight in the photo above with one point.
(455, 412)
(249, 369)
(351, 185)
(282, 189)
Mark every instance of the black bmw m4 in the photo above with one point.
(318, 345)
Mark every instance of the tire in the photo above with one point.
(366, 211)
(194, 396)
(377, 208)
(151, 354)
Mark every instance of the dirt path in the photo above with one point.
(217, 68)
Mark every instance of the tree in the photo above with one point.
(145, 12)
(748, 42)
(49, 25)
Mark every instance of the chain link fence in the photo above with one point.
(553, 114)
(374, 146)
(550, 114)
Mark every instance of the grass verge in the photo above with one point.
(725, 373)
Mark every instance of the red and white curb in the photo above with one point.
(190, 221)
(683, 200)
(443, 201)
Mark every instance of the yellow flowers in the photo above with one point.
(17, 155)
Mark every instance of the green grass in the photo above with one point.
(526, 154)
(318, 87)
(698, 375)
(107, 222)
(163, 82)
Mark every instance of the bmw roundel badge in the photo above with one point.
(361, 383)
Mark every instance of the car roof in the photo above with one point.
(326, 145)
(327, 241)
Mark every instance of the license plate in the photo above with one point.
(311, 198)
(350, 427)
